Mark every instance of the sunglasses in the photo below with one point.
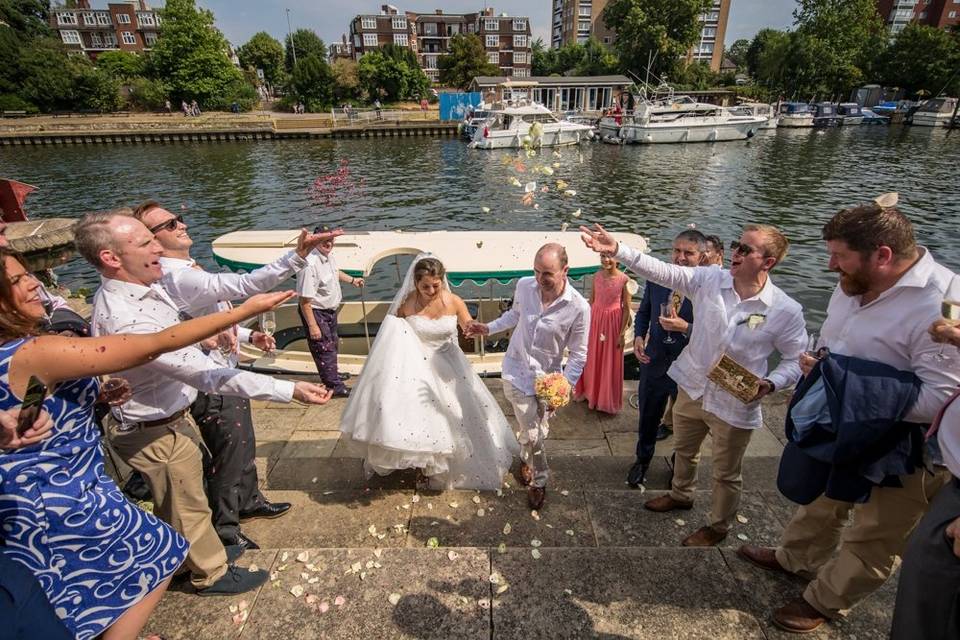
(168, 225)
(743, 249)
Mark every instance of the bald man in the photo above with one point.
(548, 316)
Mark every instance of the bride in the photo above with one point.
(418, 403)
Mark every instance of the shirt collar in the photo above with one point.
(765, 295)
(133, 290)
(176, 264)
(919, 274)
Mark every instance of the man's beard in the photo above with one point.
(854, 284)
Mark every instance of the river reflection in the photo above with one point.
(795, 179)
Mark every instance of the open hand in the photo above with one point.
(9, 439)
(259, 303)
(307, 241)
(599, 240)
(311, 393)
(674, 323)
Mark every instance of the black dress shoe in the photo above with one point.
(265, 510)
(343, 393)
(637, 474)
(234, 581)
(241, 541)
(233, 551)
(344, 376)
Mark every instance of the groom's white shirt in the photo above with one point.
(542, 335)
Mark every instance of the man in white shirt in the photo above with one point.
(739, 313)
(155, 433)
(225, 422)
(318, 288)
(926, 607)
(549, 317)
(889, 293)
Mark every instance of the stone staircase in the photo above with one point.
(379, 559)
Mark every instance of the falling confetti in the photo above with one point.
(575, 214)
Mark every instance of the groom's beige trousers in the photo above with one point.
(532, 432)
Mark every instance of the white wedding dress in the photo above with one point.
(418, 404)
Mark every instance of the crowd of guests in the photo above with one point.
(873, 453)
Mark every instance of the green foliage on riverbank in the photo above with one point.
(467, 59)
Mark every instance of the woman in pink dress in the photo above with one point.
(601, 384)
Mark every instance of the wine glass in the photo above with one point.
(268, 322)
(225, 344)
(812, 343)
(950, 310)
(666, 311)
(109, 388)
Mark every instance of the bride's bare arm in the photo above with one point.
(463, 314)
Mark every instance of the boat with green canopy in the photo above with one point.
(479, 258)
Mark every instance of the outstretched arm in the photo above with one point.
(57, 358)
(464, 319)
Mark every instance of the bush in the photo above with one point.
(148, 95)
(96, 90)
(10, 102)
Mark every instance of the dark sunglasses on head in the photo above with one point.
(168, 225)
(743, 249)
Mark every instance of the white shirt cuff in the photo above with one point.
(283, 390)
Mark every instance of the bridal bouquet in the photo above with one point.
(552, 389)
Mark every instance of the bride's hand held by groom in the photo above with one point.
(477, 329)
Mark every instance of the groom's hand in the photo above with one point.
(310, 393)
(477, 329)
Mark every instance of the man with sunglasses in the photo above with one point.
(889, 292)
(225, 422)
(739, 313)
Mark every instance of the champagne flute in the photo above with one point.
(950, 310)
(224, 344)
(812, 342)
(666, 311)
(268, 322)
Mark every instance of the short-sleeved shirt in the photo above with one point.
(320, 281)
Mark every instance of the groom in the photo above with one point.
(549, 316)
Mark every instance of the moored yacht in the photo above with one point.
(935, 112)
(716, 125)
(523, 125)
(850, 113)
(796, 114)
(759, 109)
(825, 115)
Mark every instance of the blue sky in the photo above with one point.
(240, 19)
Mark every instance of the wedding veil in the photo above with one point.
(409, 286)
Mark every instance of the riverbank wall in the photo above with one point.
(217, 127)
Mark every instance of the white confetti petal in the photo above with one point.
(535, 543)
(742, 536)
(393, 598)
(564, 493)
(535, 553)
(507, 529)
(415, 499)
(480, 513)
(570, 532)
(680, 522)
(485, 209)
(454, 505)
(324, 606)
(495, 578)
(483, 603)
(253, 568)
(502, 588)
(296, 590)
(452, 555)
(372, 529)
(535, 515)
(303, 556)
(476, 499)
(742, 519)
(339, 601)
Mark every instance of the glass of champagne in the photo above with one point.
(666, 311)
(268, 322)
(950, 310)
(224, 344)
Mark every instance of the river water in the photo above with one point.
(795, 179)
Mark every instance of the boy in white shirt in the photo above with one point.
(318, 288)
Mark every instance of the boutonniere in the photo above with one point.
(754, 320)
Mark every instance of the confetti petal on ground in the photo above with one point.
(415, 499)
(577, 213)
(568, 592)
(452, 555)
(310, 599)
(535, 515)
(502, 588)
(356, 567)
(454, 505)
(253, 568)
(564, 493)
(296, 590)
(483, 603)
(680, 522)
(502, 547)
(535, 553)
(485, 209)
(564, 226)
(480, 513)
(393, 598)
(495, 578)
(339, 601)
(303, 556)
(314, 481)
(233, 608)
(378, 552)
(324, 606)
(569, 193)
(570, 532)
(535, 543)
(372, 529)
(742, 519)
(507, 529)
(284, 557)
(433, 543)
(476, 499)
(742, 536)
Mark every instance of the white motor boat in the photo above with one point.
(718, 125)
(935, 112)
(759, 109)
(670, 107)
(528, 125)
(796, 115)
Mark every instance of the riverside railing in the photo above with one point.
(349, 116)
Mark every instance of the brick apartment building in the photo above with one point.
(125, 25)
(507, 39)
(342, 49)
(578, 20)
(897, 14)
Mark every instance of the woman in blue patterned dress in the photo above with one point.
(103, 563)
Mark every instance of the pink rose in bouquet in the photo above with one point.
(553, 390)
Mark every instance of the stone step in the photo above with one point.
(481, 593)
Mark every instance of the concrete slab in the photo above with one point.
(764, 591)
(775, 413)
(759, 473)
(275, 424)
(183, 615)
(335, 519)
(576, 447)
(625, 444)
(575, 421)
(310, 444)
(620, 520)
(264, 467)
(602, 472)
(616, 594)
(316, 474)
(438, 597)
(462, 526)
(323, 417)
(623, 422)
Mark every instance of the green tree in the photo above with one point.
(122, 65)
(94, 89)
(262, 51)
(27, 18)
(312, 82)
(596, 60)
(765, 58)
(148, 94)
(738, 52)
(306, 43)
(836, 41)
(923, 58)
(697, 76)
(543, 59)
(387, 76)
(346, 80)
(467, 59)
(659, 30)
(191, 56)
(45, 77)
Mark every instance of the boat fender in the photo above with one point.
(751, 133)
(486, 132)
(713, 136)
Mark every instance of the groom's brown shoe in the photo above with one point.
(666, 503)
(526, 474)
(536, 497)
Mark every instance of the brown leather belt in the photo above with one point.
(167, 420)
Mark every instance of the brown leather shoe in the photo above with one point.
(536, 496)
(704, 537)
(526, 474)
(798, 616)
(763, 557)
(666, 503)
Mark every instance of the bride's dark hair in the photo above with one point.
(428, 267)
